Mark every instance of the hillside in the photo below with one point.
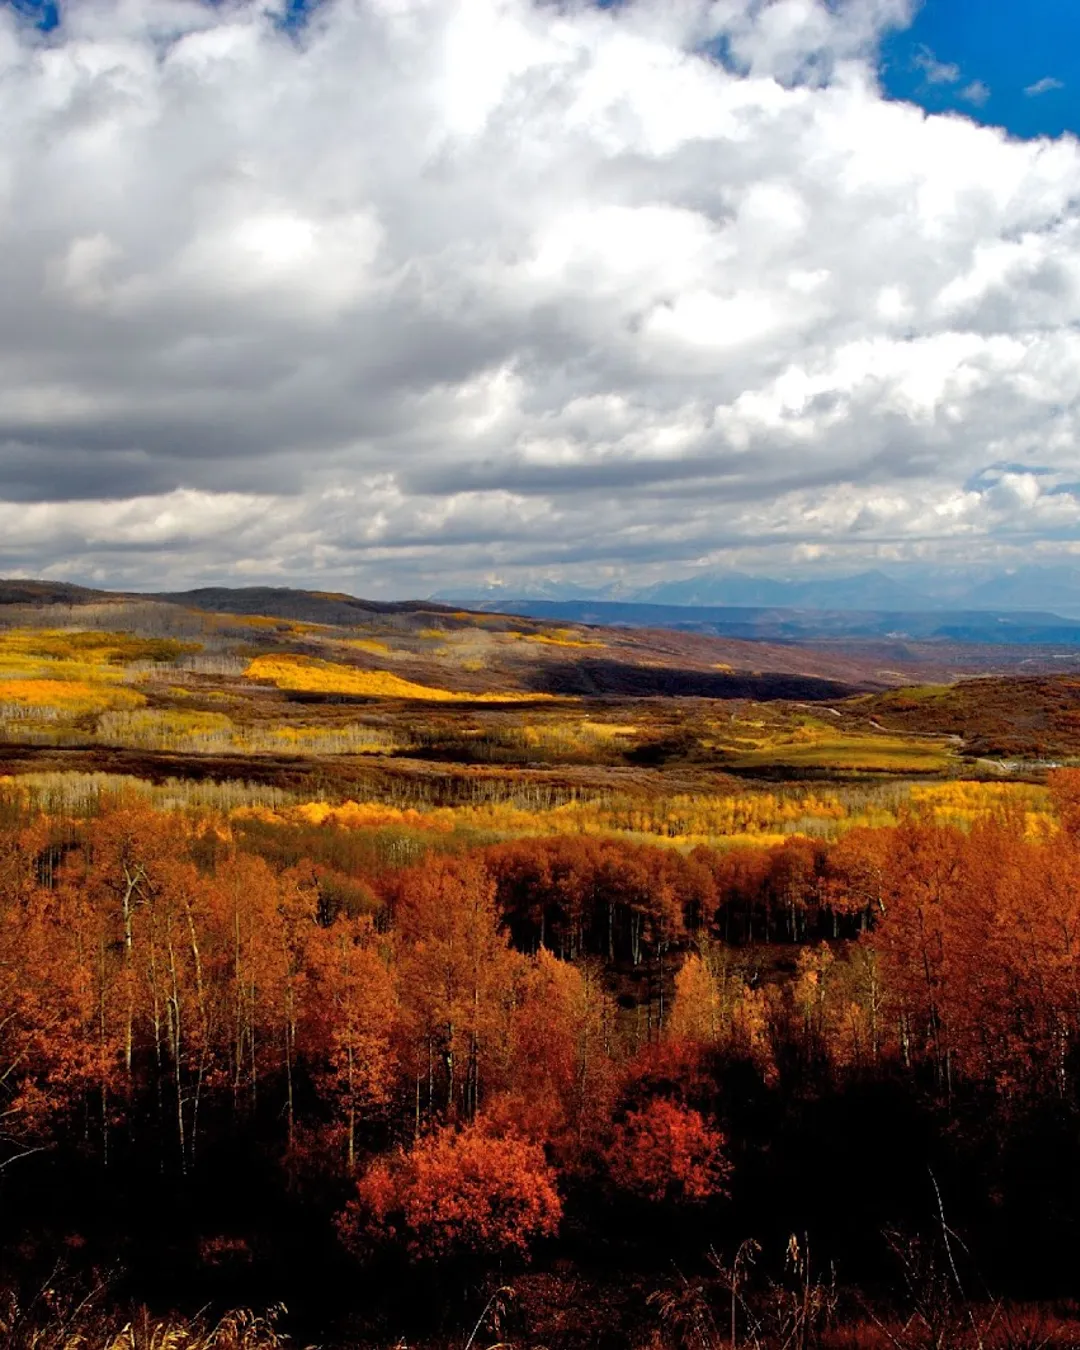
(1028, 718)
(289, 688)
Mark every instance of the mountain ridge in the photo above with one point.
(770, 629)
(1031, 587)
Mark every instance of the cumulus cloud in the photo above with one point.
(427, 290)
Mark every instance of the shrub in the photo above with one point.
(457, 1193)
(667, 1153)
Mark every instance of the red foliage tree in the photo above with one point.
(457, 1193)
(668, 1153)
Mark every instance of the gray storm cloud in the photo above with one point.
(426, 289)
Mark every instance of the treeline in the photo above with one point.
(445, 1051)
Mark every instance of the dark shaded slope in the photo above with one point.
(15, 591)
(282, 602)
(596, 676)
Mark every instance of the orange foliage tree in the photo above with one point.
(455, 982)
(561, 1073)
(347, 1026)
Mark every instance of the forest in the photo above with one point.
(527, 1021)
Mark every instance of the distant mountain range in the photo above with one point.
(1047, 590)
(779, 624)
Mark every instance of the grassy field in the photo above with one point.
(854, 753)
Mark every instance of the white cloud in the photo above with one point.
(436, 288)
(1047, 85)
(935, 71)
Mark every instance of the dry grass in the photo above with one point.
(874, 754)
(60, 1321)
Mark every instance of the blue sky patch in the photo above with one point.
(1010, 63)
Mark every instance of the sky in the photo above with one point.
(391, 296)
(1010, 63)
